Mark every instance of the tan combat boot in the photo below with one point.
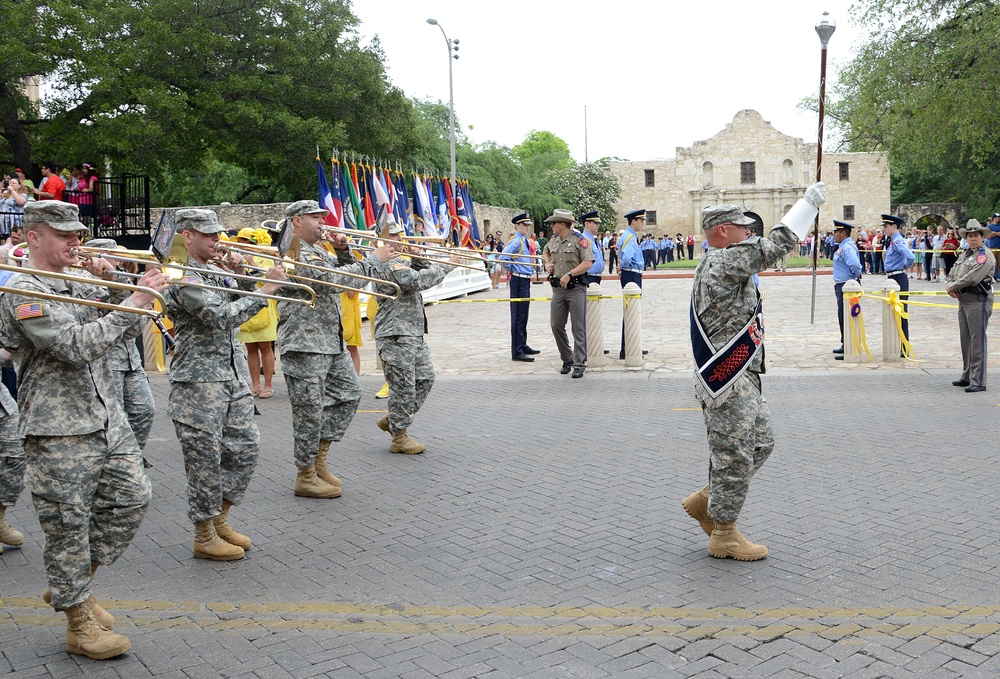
(383, 424)
(323, 471)
(8, 535)
(307, 484)
(104, 618)
(86, 636)
(728, 542)
(208, 544)
(227, 532)
(696, 505)
(402, 443)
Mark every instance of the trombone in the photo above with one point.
(436, 260)
(272, 253)
(151, 313)
(374, 234)
(172, 272)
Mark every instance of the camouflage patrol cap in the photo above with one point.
(202, 221)
(57, 214)
(716, 215)
(102, 243)
(304, 207)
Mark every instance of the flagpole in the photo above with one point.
(452, 46)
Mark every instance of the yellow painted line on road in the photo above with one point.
(690, 623)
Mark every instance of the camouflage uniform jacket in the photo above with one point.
(206, 322)
(724, 292)
(124, 357)
(405, 315)
(60, 350)
(318, 329)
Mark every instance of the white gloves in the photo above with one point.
(816, 194)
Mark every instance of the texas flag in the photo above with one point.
(330, 200)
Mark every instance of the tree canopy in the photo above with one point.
(174, 84)
(923, 89)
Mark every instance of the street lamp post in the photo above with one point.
(824, 29)
(452, 47)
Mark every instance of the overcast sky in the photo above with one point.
(653, 75)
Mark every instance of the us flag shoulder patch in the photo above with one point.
(398, 267)
(33, 310)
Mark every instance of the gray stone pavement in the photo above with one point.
(541, 535)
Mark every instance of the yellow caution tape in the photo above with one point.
(858, 328)
(513, 299)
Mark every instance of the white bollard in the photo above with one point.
(891, 345)
(632, 303)
(851, 289)
(595, 326)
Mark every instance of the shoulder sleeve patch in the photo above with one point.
(584, 243)
(398, 267)
(33, 310)
(981, 259)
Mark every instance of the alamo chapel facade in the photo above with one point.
(755, 166)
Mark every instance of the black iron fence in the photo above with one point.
(117, 208)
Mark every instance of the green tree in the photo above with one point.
(587, 187)
(157, 87)
(543, 151)
(923, 89)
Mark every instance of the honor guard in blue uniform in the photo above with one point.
(521, 269)
(898, 258)
(630, 252)
(591, 223)
(846, 267)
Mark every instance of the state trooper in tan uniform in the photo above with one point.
(567, 258)
(323, 386)
(84, 468)
(971, 283)
(210, 401)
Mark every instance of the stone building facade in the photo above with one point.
(755, 166)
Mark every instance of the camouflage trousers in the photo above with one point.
(410, 375)
(90, 493)
(12, 460)
(740, 440)
(324, 390)
(137, 400)
(219, 440)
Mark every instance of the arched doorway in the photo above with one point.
(757, 228)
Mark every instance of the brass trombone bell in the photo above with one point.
(415, 256)
(151, 313)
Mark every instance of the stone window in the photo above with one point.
(845, 173)
(650, 178)
(788, 172)
(848, 210)
(707, 175)
(748, 173)
(486, 224)
(650, 214)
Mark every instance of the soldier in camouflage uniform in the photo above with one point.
(400, 325)
(724, 300)
(84, 466)
(131, 380)
(11, 465)
(323, 386)
(210, 400)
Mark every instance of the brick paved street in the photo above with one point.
(541, 535)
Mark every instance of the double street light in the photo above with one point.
(452, 53)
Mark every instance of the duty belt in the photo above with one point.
(633, 270)
(521, 275)
(893, 273)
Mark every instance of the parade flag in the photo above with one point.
(355, 215)
(471, 209)
(422, 212)
(454, 226)
(401, 202)
(381, 194)
(464, 220)
(326, 199)
(367, 192)
(444, 221)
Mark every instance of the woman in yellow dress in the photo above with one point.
(258, 333)
(350, 317)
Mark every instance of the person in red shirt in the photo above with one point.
(54, 185)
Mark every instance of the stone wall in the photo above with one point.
(709, 172)
(948, 215)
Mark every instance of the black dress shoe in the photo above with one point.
(523, 357)
(565, 369)
(607, 351)
(621, 356)
(961, 383)
(839, 351)
(645, 351)
(531, 352)
(577, 373)
(971, 389)
(838, 357)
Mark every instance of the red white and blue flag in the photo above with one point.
(329, 200)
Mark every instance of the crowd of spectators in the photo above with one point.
(72, 184)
